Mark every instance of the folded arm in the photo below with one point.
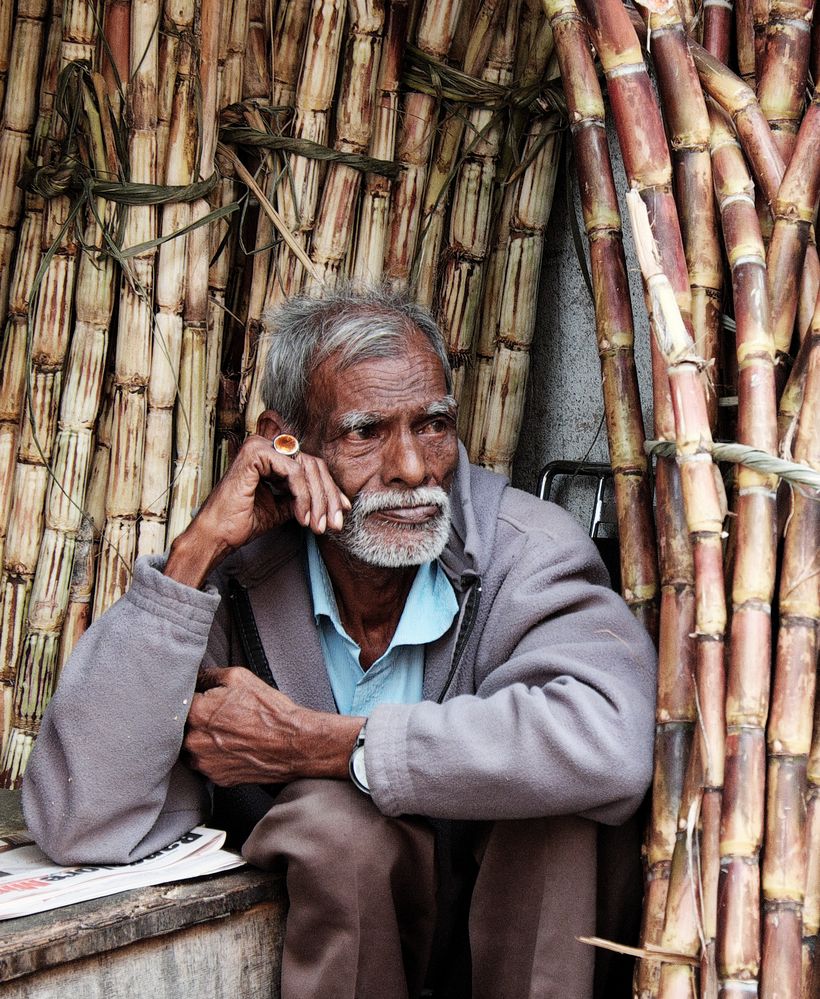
(562, 720)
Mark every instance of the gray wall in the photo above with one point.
(564, 409)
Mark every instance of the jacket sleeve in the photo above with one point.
(104, 783)
(562, 720)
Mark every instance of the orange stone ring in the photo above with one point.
(286, 444)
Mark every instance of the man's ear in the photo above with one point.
(269, 424)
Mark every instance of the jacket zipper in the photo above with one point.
(464, 632)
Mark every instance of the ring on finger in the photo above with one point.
(286, 444)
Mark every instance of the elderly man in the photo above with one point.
(444, 647)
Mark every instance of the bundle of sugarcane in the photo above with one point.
(363, 230)
(56, 348)
(731, 852)
(44, 362)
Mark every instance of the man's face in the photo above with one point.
(386, 428)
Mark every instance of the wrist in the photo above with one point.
(192, 558)
(328, 741)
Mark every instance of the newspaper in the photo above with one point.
(30, 882)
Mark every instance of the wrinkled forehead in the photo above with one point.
(410, 376)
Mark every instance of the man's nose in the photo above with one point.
(405, 461)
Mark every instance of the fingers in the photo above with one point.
(337, 503)
(316, 500)
(209, 677)
(327, 502)
(263, 489)
(239, 731)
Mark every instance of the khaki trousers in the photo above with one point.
(362, 890)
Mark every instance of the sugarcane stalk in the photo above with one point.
(443, 167)
(738, 100)
(314, 99)
(63, 511)
(6, 26)
(534, 54)
(46, 353)
(233, 43)
(703, 507)
(289, 31)
(190, 420)
(13, 357)
(745, 41)
(688, 126)
(491, 305)
(811, 905)
(790, 879)
(114, 57)
(534, 63)
(256, 75)
(615, 336)
(132, 360)
(782, 82)
(260, 263)
(169, 290)
(221, 251)
(354, 124)
(83, 571)
(794, 209)
(228, 424)
(300, 192)
(643, 144)
(437, 24)
(80, 400)
(765, 159)
(19, 114)
(781, 91)
(516, 295)
(615, 331)
(641, 135)
(459, 299)
(535, 43)
(747, 699)
(368, 260)
(718, 24)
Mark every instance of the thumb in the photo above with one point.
(209, 677)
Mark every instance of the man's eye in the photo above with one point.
(363, 433)
(436, 426)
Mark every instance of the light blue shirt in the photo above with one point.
(397, 676)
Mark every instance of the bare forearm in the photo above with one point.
(325, 745)
(193, 557)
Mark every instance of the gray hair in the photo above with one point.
(352, 325)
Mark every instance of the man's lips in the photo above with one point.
(408, 514)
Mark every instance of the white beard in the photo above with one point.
(396, 545)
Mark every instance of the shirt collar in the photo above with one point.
(428, 611)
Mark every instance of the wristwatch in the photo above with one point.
(358, 774)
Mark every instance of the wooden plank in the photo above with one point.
(238, 956)
(34, 943)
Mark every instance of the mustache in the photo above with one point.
(391, 499)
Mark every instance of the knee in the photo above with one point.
(321, 822)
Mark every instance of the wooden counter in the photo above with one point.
(218, 937)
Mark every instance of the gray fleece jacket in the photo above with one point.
(539, 700)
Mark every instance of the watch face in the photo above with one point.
(357, 767)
